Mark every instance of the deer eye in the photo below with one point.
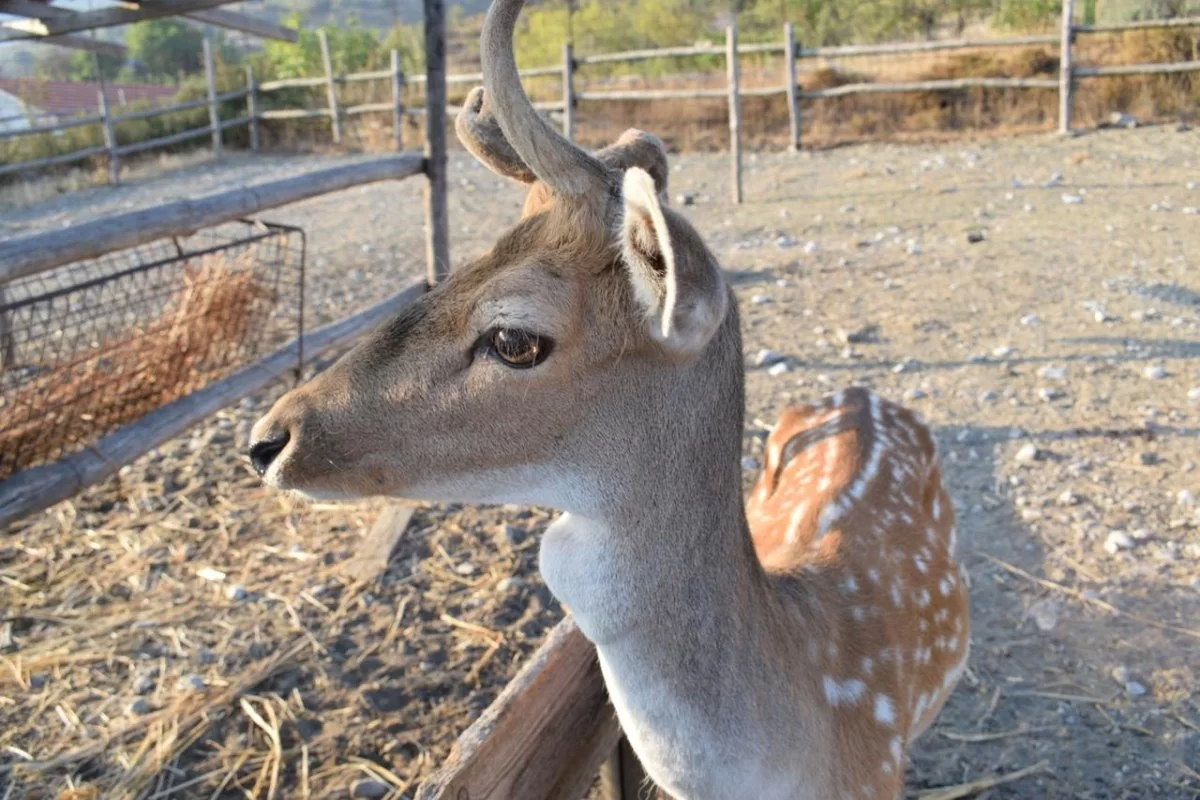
(517, 348)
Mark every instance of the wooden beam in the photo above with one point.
(240, 22)
(33, 9)
(544, 737)
(437, 225)
(33, 490)
(91, 45)
(106, 18)
(33, 254)
(370, 560)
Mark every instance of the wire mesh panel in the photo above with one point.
(89, 347)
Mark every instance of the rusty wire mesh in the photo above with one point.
(92, 346)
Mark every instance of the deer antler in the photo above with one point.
(562, 166)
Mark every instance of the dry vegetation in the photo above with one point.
(78, 394)
(182, 632)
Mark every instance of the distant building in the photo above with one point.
(30, 101)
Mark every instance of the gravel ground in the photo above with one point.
(1037, 300)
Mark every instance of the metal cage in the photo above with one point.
(91, 346)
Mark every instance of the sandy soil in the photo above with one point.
(1037, 300)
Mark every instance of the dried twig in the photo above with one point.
(982, 784)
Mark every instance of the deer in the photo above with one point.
(789, 644)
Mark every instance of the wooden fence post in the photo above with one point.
(568, 81)
(437, 236)
(793, 91)
(735, 111)
(110, 141)
(1065, 67)
(214, 114)
(397, 101)
(8, 347)
(252, 107)
(335, 116)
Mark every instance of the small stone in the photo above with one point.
(1030, 319)
(811, 247)
(988, 397)
(1194, 395)
(512, 534)
(912, 247)
(778, 368)
(509, 584)
(766, 358)
(1029, 453)
(192, 683)
(370, 789)
(140, 707)
(1045, 614)
(1135, 689)
(1148, 459)
(465, 568)
(1185, 498)
(1053, 373)
(975, 237)
(915, 393)
(366, 248)
(783, 242)
(750, 464)
(1116, 542)
(1068, 498)
(760, 299)
(1003, 351)
(209, 574)
(235, 592)
(685, 198)
(144, 684)
(1054, 180)
(1192, 210)
(867, 334)
(1072, 199)
(1121, 674)
(1048, 394)
(1141, 534)
(1155, 372)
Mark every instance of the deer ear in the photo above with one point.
(675, 280)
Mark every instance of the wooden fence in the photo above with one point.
(793, 52)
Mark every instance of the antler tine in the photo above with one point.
(559, 164)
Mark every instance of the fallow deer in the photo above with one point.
(591, 361)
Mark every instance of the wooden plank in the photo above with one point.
(661, 52)
(290, 83)
(949, 84)
(544, 737)
(81, 42)
(30, 255)
(370, 560)
(397, 102)
(78, 122)
(357, 77)
(160, 110)
(335, 118)
(1139, 25)
(793, 88)
(252, 107)
(845, 51)
(107, 17)
(214, 114)
(367, 108)
(163, 141)
(294, 113)
(568, 89)
(733, 71)
(622, 776)
(1172, 68)
(110, 141)
(36, 489)
(8, 346)
(236, 122)
(1065, 75)
(437, 235)
(654, 94)
(65, 158)
(240, 22)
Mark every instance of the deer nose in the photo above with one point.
(264, 451)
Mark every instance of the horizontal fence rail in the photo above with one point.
(33, 254)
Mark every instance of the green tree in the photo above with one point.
(165, 48)
(83, 66)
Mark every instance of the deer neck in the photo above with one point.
(666, 552)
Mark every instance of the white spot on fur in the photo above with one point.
(848, 692)
(885, 710)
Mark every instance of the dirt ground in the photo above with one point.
(1036, 299)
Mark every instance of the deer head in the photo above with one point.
(542, 371)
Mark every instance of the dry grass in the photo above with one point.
(195, 336)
